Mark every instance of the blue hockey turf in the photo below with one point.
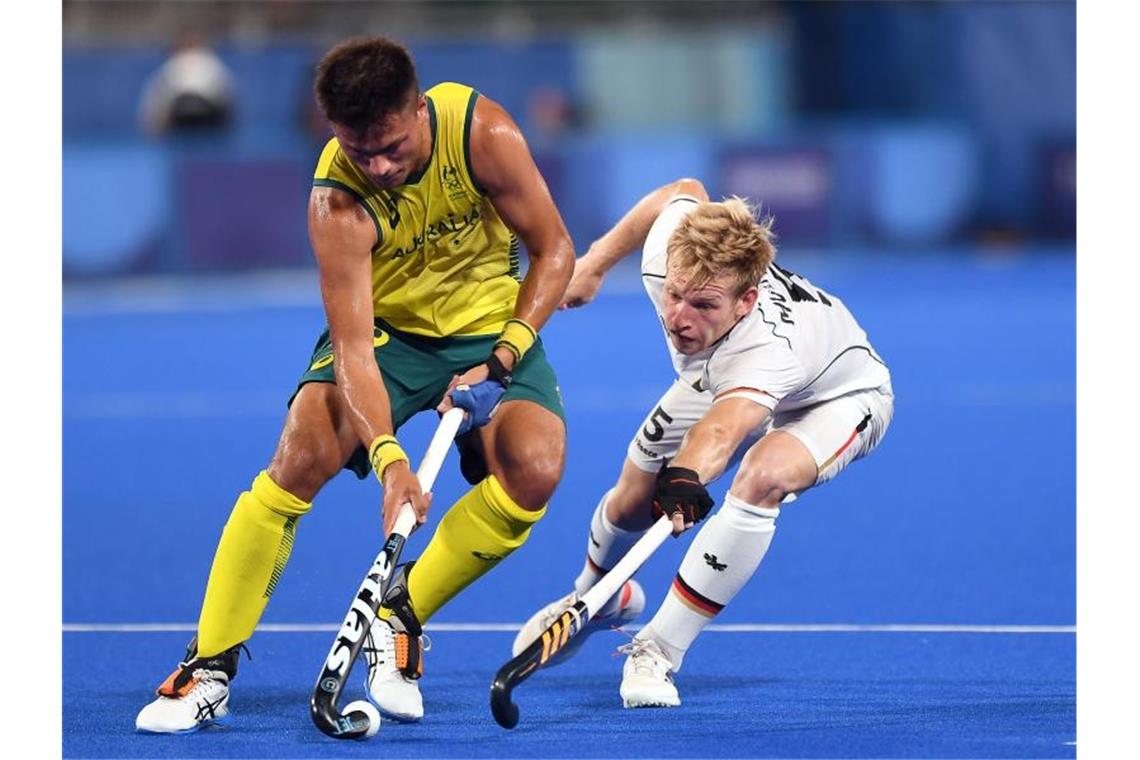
(965, 516)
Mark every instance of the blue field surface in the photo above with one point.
(174, 395)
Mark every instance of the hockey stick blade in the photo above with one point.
(568, 624)
(531, 659)
(323, 709)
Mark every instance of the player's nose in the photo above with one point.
(380, 166)
(677, 324)
(681, 316)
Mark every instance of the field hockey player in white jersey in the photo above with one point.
(774, 377)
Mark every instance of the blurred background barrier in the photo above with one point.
(871, 124)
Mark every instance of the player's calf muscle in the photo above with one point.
(629, 505)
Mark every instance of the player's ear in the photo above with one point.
(747, 301)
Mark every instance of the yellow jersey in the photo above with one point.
(444, 262)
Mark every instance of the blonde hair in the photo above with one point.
(723, 238)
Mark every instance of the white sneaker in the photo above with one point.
(195, 695)
(646, 677)
(630, 604)
(395, 663)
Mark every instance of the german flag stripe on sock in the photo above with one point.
(702, 605)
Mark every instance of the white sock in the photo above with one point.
(606, 545)
(723, 556)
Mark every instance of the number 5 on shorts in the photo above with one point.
(654, 431)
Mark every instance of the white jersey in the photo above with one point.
(800, 346)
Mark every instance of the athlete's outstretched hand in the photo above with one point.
(584, 285)
(401, 485)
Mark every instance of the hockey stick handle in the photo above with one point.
(350, 638)
(569, 623)
(603, 590)
(430, 466)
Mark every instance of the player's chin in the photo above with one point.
(684, 346)
(391, 183)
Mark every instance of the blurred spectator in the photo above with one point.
(551, 114)
(191, 92)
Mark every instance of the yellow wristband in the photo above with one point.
(517, 337)
(385, 450)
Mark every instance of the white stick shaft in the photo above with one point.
(430, 466)
(627, 566)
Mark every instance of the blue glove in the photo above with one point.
(479, 400)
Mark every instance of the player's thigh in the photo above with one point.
(837, 432)
(525, 449)
(413, 377)
(315, 443)
(659, 438)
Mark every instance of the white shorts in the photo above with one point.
(836, 432)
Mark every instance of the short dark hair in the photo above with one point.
(361, 81)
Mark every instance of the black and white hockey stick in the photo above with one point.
(569, 623)
(361, 720)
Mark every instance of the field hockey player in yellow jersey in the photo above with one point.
(418, 208)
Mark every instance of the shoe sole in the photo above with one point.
(648, 703)
(393, 716)
(218, 722)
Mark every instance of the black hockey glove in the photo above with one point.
(679, 490)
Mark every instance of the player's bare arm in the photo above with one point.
(342, 236)
(710, 443)
(623, 238)
(704, 453)
(503, 165)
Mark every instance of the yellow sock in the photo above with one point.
(477, 532)
(251, 555)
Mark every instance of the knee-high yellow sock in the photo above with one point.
(251, 555)
(479, 530)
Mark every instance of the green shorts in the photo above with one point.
(417, 370)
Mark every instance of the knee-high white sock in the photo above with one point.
(607, 544)
(723, 556)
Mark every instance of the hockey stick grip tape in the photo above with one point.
(604, 589)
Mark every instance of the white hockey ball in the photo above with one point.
(368, 709)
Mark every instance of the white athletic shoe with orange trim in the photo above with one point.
(195, 695)
(647, 676)
(395, 664)
(630, 604)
